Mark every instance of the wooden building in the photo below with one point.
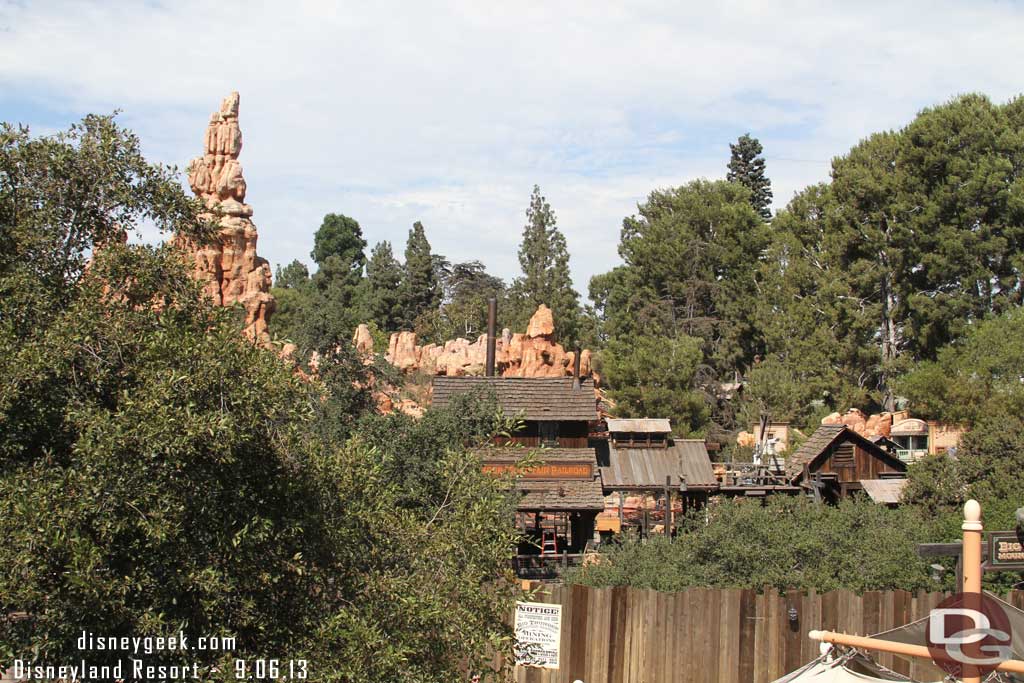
(562, 496)
(835, 461)
(641, 457)
(555, 411)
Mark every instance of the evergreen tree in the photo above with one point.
(544, 259)
(420, 288)
(694, 250)
(468, 286)
(331, 312)
(383, 278)
(338, 249)
(746, 167)
(293, 276)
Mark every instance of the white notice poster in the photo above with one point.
(538, 634)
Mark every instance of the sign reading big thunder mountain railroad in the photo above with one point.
(1006, 550)
(549, 470)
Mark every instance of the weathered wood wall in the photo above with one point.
(627, 635)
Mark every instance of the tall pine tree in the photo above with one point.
(383, 281)
(332, 311)
(544, 259)
(746, 167)
(420, 290)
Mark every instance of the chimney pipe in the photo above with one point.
(576, 364)
(492, 324)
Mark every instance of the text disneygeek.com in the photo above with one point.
(135, 666)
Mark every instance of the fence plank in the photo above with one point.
(700, 635)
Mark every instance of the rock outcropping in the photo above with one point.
(228, 266)
(879, 424)
(533, 354)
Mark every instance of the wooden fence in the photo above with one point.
(627, 635)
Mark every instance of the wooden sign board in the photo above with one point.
(549, 470)
(1005, 551)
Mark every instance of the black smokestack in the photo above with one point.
(576, 364)
(492, 324)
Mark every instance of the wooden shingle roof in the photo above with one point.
(559, 496)
(531, 398)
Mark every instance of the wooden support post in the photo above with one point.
(622, 505)
(668, 505)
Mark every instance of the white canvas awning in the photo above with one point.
(851, 667)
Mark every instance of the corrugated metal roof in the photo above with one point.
(643, 425)
(532, 398)
(646, 468)
(884, 490)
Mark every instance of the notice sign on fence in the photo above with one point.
(538, 634)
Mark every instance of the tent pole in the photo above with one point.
(864, 643)
(972, 529)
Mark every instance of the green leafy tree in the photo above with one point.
(813, 547)
(421, 287)
(292, 293)
(978, 376)
(696, 249)
(338, 248)
(383, 280)
(818, 345)
(655, 377)
(468, 286)
(293, 276)
(746, 167)
(331, 312)
(930, 227)
(184, 478)
(546, 279)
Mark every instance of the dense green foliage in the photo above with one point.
(158, 472)
(785, 543)
(746, 167)
(980, 375)
(915, 241)
(544, 259)
(655, 376)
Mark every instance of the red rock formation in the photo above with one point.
(228, 266)
(875, 425)
(534, 354)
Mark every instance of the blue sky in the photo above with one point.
(449, 112)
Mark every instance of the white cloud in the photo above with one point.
(449, 112)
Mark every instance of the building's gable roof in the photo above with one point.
(532, 398)
(823, 439)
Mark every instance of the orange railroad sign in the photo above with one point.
(549, 470)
